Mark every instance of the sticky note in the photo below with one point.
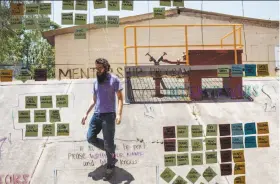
(182, 131)
(226, 156)
(24, 75)
(30, 23)
(6, 75)
(209, 174)
(31, 130)
(48, 130)
(99, 4)
(263, 141)
(54, 116)
(80, 33)
(169, 145)
(250, 128)
(179, 180)
(167, 175)
(226, 169)
(127, 5)
(30, 102)
(250, 142)
(237, 142)
(31, 9)
(46, 101)
(263, 128)
(67, 4)
(178, 3)
(211, 157)
(159, 13)
(211, 130)
(61, 100)
(63, 129)
(40, 116)
(182, 159)
(17, 9)
(81, 5)
(240, 180)
(40, 74)
(224, 129)
(211, 143)
(237, 129)
(237, 70)
(197, 158)
(222, 72)
(197, 131)
(225, 142)
(80, 19)
(197, 145)
(113, 21)
(169, 160)
(66, 18)
(193, 175)
(169, 132)
(16, 22)
(262, 69)
(250, 70)
(238, 156)
(183, 145)
(165, 2)
(100, 21)
(44, 23)
(239, 168)
(45, 8)
(24, 116)
(113, 5)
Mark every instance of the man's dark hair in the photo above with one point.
(104, 62)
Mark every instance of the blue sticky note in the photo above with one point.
(250, 142)
(237, 70)
(237, 142)
(237, 129)
(250, 128)
(250, 70)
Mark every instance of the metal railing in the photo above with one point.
(235, 27)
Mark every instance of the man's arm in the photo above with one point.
(120, 102)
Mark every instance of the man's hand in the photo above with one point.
(84, 120)
(118, 119)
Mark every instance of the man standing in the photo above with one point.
(104, 118)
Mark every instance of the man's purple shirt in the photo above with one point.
(106, 94)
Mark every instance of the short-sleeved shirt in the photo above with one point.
(106, 94)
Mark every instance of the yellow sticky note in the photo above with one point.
(99, 4)
(31, 130)
(165, 3)
(113, 5)
(16, 22)
(67, 18)
(67, 4)
(238, 155)
(63, 129)
(100, 21)
(262, 70)
(240, 180)
(223, 72)
(44, 23)
(31, 9)
(54, 116)
(61, 101)
(48, 130)
(113, 21)
(24, 116)
(80, 33)
(127, 5)
(178, 3)
(40, 116)
(263, 141)
(6, 75)
(31, 102)
(46, 101)
(45, 8)
(239, 168)
(81, 5)
(80, 19)
(17, 8)
(30, 23)
(263, 128)
(159, 13)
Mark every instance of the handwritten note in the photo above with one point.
(197, 131)
(250, 142)
(99, 4)
(224, 129)
(237, 129)
(169, 160)
(262, 70)
(113, 5)
(45, 8)
(178, 3)
(193, 175)
(226, 169)
(179, 180)
(170, 145)
(165, 3)
(167, 175)
(81, 5)
(127, 5)
(240, 180)
(226, 156)
(40, 116)
(182, 159)
(182, 131)
(238, 156)
(211, 143)
(44, 23)
(113, 21)
(197, 145)
(16, 22)
(6, 75)
(31, 130)
(24, 75)
(80, 33)
(80, 19)
(250, 70)
(209, 174)
(159, 13)
(263, 128)
(67, 4)
(183, 145)
(169, 132)
(24, 116)
(48, 130)
(237, 70)
(222, 72)
(211, 130)
(225, 142)
(239, 168)
(46, 101)
(263, 141)
(30, 23)
(67, 18)
(197, 158)
(250, 128)
(17, 9)
(100, 21)
(61, 101)
(211, 157)
(31, 102)
(63, 129)
(54, 116)
(237, 142)
(31, 9)
(40, 74)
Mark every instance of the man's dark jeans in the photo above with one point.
(106, 123)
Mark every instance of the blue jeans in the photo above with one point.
(106, 123)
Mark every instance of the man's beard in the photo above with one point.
(101, 77)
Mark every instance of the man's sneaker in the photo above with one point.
(108, 173)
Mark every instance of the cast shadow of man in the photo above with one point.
(120, 175)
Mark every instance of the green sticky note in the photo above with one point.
(67, 4)
(182, 159)
(44, 23)
(99, 4)
(24, 116)
(45, 8)
(159, 13)
(197, 158)
(197, 131)
(81, 5)
(209, 174)
(48, 130)
(31, 102)
(211, 143)
(127, 5)
(16, 22)
(211, 157)
(183, 145)
(167, 175)
(193, 175)
(197, 145)
(169, 160)
(223, 72)
(62, 101)
(182, 131)
(211, 130)
(31, 9)
(178, 3)
(40, 116)
(100, 21)
(46, 101)
(63, 129)
(80, 19)
(54, 116)
(113, 21)
(67, 18)
(165, 2)
(31, 130)
(80, 33)
(179, 180)
(30, 23)
(113, 5)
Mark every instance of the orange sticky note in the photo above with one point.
(17, 9)
(240, 180)
(263, 141)
(263, 128)
(238, 155)
(239, 168)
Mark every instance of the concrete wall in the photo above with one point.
(108, 43)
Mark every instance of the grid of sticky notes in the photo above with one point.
(40, 116)
(159, 12)
(250, 70)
